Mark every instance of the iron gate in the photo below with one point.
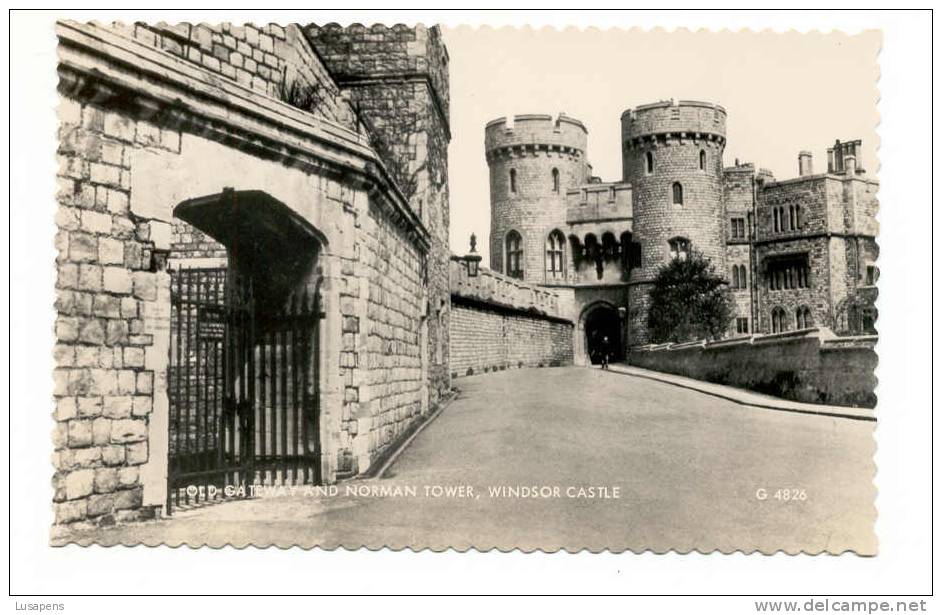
(243, 389)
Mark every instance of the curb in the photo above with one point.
(389, 459)
(835, 414)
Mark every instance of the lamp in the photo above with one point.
(472, 258)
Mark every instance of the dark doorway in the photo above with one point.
(601, 323)
(244, 369)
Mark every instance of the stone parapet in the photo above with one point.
(501, 291)
(809, 365)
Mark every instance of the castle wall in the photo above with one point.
(397, 80)
(809, 366)
(739, 200)
(126, 160)
(499, 322)
(836, 220)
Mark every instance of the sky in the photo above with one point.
(782, 92)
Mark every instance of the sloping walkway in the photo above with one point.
(746, 397)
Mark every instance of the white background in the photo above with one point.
(903, 456)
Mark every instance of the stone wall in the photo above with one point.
(108, 289)
(531, 147)
(674, 136)
(396, 79)
(836, 231)
(811, 366)
(498, 322)
(137, 139)
(272, 59)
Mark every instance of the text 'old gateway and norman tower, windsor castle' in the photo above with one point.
(797, 253)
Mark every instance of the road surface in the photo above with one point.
(578, 458)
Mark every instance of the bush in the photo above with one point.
(689, 301)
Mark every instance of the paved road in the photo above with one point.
(687, 467)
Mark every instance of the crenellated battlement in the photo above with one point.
(684, 119)
(535, 133)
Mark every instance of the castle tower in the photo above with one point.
(397, 80)
(532, 162)
(673, 157)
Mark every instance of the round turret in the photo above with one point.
(672, 154)
(533, 161)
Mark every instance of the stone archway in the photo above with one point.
(602, 332)
(244, 377)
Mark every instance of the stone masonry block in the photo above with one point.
(125, 431)
(136, 454)
(117, 407)
(117, 279)
(79, 484)
(110, 252)
(106, 480)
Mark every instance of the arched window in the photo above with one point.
(739, 277)
(513, 181)
(775, 221)
(556, 181)
(649, 162)
(803, 318)
(679, 248)
(677, 193)
(555, 251)
(797, 216)
(702, 160)
(779, 320)
(514, 266)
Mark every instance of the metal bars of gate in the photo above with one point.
(288, 449)
(243, 388)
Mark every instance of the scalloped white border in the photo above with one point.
(902, 457)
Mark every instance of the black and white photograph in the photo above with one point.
(416, 286)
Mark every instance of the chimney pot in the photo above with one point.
(805, 166)
(850, 165)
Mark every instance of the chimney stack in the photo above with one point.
(850, 165)
(805, 166)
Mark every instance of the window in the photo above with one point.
(873, 274)
(702, 160)
(555, 249)
(556, 181)
(739, 277)
(679, 248)
(803, 318)
(776, 226)
(779, 320)
(513, 180)
(797, 216)
(742, 325)
(649, 163)
(868, 321)
(514, 266)
(737, 228)
(677, 193)
(788, 274)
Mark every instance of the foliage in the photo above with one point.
(689, 301)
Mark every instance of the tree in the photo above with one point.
(689, 301)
